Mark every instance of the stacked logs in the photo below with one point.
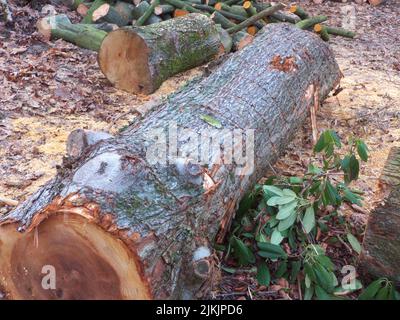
(242, 19)
(167, 37)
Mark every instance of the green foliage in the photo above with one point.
(381, 289)
(278, 221)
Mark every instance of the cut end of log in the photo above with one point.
(123, 57)
(318, 28)
(67, 257)
(44, 28)
(293, 8)
(218, 6)
(100, 12)
(180, 13)
(247, 4)
(82, 9)
(252, 30)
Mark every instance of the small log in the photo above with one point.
(146, 15)
(226, 14)
(238, 10)
(107, 13)
(251, 11)
(250, 21)
(277, 16)
(283, 17)
(309, 23)
(340, 32)
(83, 9)
(153, 53)
(119, 225)
(322, 31)
(140, 10)
(239, 39)
(298, 11)
(89, 16)
(82, 35)
(125, 10)
(163, 9)
(380, 256)
(184, 6)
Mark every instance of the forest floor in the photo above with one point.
(48, 89)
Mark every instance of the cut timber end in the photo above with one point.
(44, 28)
(100, 12)
(89, 263)
(123, 57)
(82, 9)
(180, 13)
(252, 30)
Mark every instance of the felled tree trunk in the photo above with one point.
(139, 59)
(380, 256)
(137, 215)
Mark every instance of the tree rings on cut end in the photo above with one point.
(67, 257)
(123, 58)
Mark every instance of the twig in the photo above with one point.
(248, 22)
(8, 201)
(345, 244)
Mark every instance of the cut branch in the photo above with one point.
(250, 21)
(83, 35)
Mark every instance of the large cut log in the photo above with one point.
(139, 59)
(136, 216)
(380, 256)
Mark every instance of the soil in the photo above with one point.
(48, 89)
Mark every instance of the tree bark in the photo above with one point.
(380, 256)
(138, 60)
(116, 223)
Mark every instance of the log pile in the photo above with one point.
(242, 19)
(157, 40)
(126, 220)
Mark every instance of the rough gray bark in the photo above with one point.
(381, 246)
(169, 215)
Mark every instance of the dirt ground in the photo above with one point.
(48, 89)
